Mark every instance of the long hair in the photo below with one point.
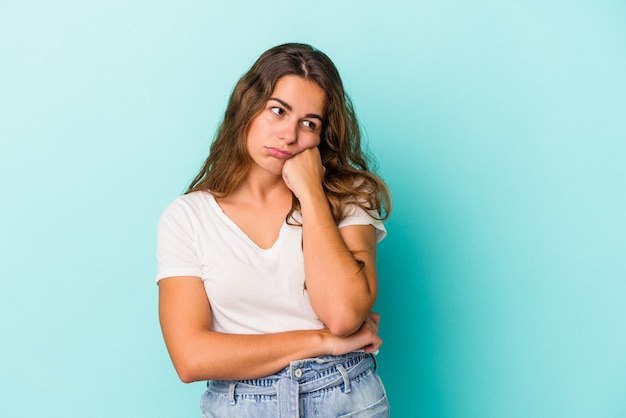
(347, 180)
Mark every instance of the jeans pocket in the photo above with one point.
(379, 409)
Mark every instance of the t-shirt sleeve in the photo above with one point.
(176, 249)
(355, 215)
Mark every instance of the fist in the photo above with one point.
(304, 172)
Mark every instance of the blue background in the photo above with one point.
(499, 126)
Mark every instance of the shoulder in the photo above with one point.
(188, 212)
(354, 214)
(189, 204)
(177, 235)
(198, 198)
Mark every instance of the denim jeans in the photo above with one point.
(324, 387)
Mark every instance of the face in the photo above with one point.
(290, 122)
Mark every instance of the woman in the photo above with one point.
(266, 266)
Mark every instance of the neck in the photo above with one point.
(264, 188)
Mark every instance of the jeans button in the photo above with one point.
(298, 373)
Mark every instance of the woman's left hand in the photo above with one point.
(303, 173)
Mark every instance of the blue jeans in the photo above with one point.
(325, 387)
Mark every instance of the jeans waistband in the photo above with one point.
(332, 371)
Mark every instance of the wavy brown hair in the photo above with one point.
(347, 179)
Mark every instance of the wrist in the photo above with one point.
(324, 342)
(313, 198)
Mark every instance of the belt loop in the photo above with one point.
(346, 379)
(288, 396)
(373, 356)
(231, 392)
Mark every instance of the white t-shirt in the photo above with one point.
(251, 290)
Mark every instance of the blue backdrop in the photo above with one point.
(499, 126)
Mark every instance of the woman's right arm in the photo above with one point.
(201, 354)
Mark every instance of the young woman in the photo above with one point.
(266, 266)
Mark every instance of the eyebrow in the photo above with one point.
(289, 108)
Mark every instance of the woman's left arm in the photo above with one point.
(340, 264)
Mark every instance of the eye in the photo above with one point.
(309, 124)
(277, 110)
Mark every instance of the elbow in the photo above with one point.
(342, 330)
(344, 315)
(345, 324)
(343, 321)
(186, 377)
(187, 371)
(190, 362)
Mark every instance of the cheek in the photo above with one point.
(310, 140)
(258, 129)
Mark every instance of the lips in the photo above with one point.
(278, 153)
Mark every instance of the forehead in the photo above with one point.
(302, 95)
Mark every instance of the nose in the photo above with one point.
(289, 132)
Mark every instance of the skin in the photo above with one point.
(282, 143)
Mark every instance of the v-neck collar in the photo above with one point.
(240, 232)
